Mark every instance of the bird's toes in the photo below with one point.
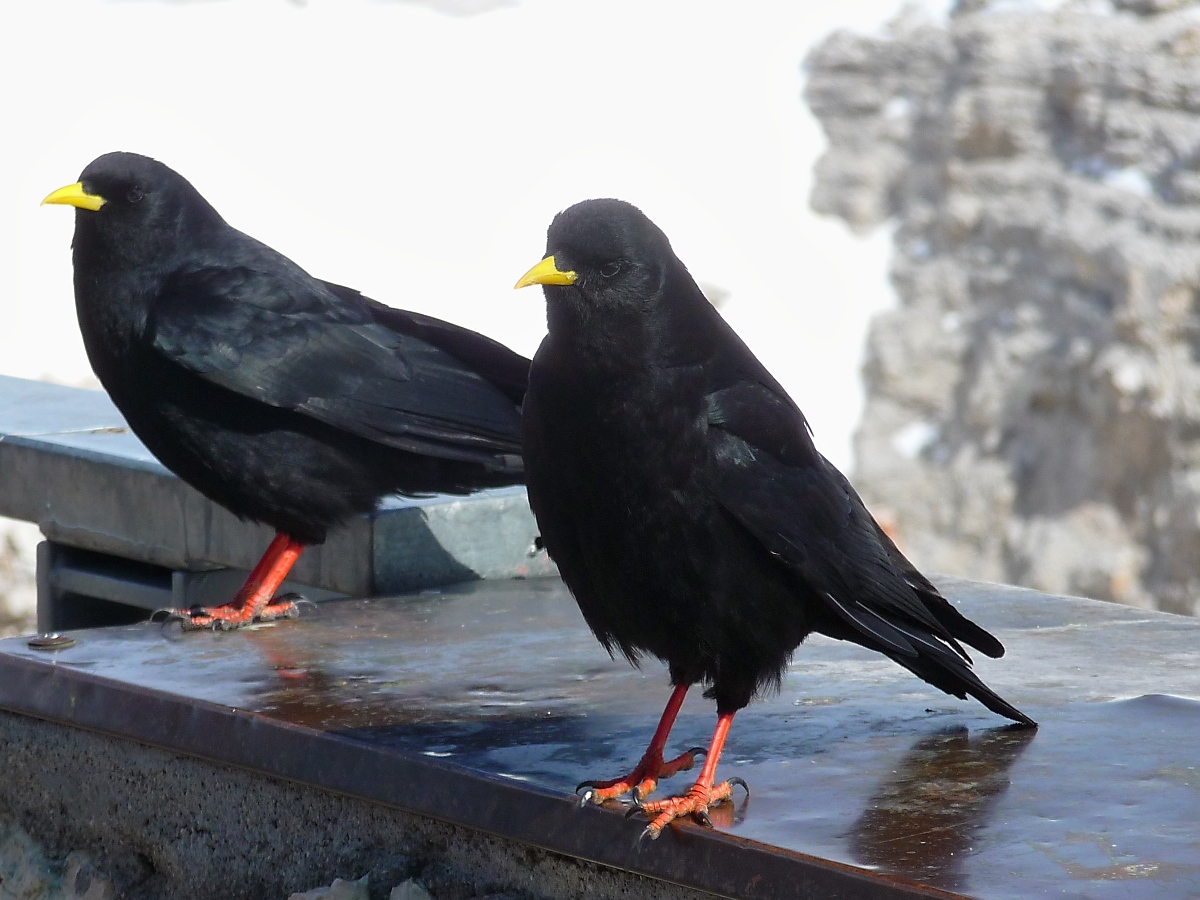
(302, 607)
(594, 791)
(655, 828)
(697, 803)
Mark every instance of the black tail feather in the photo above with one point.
(960, 626)
(940, 667)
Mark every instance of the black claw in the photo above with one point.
(742, 783)
(633, 811)
(588, 795)
(304, 607)
(702, 751)
(647, 833)
(174, 627)
(635, 797)
(703, 819)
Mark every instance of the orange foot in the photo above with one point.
(256, 600)
(696, 803)
(235, 615)
(642, 780)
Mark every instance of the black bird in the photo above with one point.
(678, 488)
(286, 399)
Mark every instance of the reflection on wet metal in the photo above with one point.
(924, 817)
(485, 704)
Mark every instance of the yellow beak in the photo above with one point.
(75, 195)
(545, 272)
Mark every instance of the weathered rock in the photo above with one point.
(27, 874)
(1033, 409)
(410, 889)
(339, 890)
(18, 587)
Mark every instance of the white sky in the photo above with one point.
(419, 156)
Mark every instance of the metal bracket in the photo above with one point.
(87, 589)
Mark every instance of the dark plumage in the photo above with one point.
(286, 399)
(678, 489)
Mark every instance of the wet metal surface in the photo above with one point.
(69, 463)
(486, 704)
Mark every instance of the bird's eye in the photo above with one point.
(134, 195)
(608, 270)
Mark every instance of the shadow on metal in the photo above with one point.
(924, 818)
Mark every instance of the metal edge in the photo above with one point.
(53, 445)
(690, 855)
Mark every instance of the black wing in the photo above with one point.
(280, 337)
(498, 365)
(768, 475)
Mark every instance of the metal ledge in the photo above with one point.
(482, 706)
(71, 465)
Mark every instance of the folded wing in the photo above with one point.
(768, 475)
(290, 341)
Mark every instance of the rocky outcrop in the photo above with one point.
(1033, 409)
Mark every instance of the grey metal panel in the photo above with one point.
(421, 544)
(112, 588)
(69, 463)
(37, 407)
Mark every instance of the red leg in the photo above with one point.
(644, 777)
(701, 795)
(253, 599)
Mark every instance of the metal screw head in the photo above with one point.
(51, 642)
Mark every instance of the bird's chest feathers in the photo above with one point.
(628, 459)
(113, 315)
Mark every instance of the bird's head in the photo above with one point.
(614, 286)
(604, 254)
(132, 206)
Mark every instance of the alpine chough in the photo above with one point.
(287, 400)
(677, 487)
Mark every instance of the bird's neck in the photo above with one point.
(619, 343)
(113, 302)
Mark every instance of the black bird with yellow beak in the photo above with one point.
(677, 486)
(286, 399)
